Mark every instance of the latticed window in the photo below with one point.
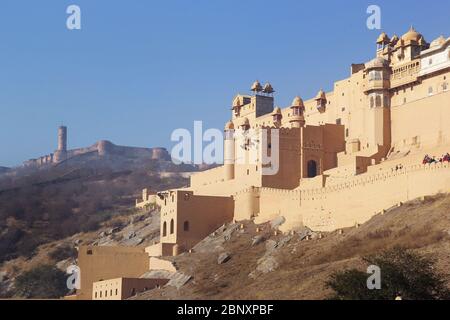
(375, 75)
(378, 101)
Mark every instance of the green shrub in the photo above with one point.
(403, 272)
(42, 282)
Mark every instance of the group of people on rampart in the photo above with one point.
(430, 160)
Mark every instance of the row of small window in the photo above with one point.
(376, 100)
(98, 294)
(256, 167)
(444, 87)
(405, 68)
(172, 198)
(186, 197)
(172, 227)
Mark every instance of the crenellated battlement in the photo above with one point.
(364, 179)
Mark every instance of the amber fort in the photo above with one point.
(344, 156)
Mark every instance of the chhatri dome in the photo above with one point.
(237, 102)
(229, 125)
(412, 35)
(277, 110)
(268, 88)
(394, 39)
(297, 102)
(383, 38)
(256, 87)
(438, 42)
(378, 62)
(321, 95)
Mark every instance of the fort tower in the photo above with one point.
(61, 152)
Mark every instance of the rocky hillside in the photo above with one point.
(127, 228)
(4, 169)
(247, 261)
(254, 262)
(41, 205)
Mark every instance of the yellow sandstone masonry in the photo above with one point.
(344, 155)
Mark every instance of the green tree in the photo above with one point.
(42, 282)
(403, 272)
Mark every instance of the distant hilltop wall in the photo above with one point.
(108, 148)
(4, 169)
(102, 148)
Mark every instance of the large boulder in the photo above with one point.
(257, 240)
(224, 257)
(130, 235)
(113, 230)
(283, 241)
(214, 242)
(304, 233)
(267, 264)
(157, 274)
(278, 221)
(178, 280)
(228, 232)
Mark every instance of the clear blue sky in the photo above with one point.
(136, 63)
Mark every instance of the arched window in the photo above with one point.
(378, 100)
(312, 169)
(372, 102)
(172, 227)
(164, 229)
(186, 226)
